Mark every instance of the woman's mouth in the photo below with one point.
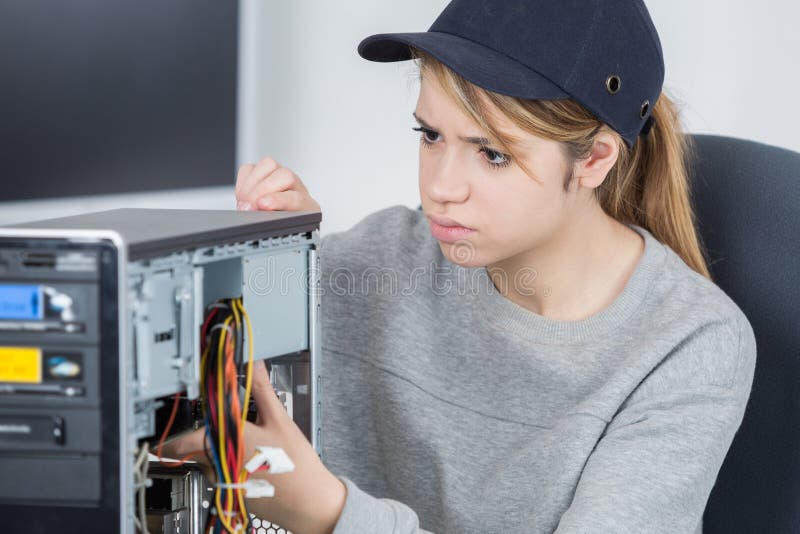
(447, 230)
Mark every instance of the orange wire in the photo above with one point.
(164, 436)
(232, 382)
(167, 429)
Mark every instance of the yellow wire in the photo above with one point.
(228, 526)
(249, 378)
(237, 307)
(239, 451)
(203, 372)
(221, 419)
(248, 387)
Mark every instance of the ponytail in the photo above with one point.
(649, 186)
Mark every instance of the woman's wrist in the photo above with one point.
(332, 500)
(321, 507)
(311, 507)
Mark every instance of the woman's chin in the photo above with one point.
(462, 253)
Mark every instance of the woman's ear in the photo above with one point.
(592, 170)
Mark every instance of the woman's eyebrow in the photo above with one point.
(482, 141)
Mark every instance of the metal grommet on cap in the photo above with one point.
(613, 83)
(645, 107)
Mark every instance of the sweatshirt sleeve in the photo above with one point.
(655, 466)
(365, 514)
(352, 251)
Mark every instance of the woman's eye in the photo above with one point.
(494, 158)
(426, 135)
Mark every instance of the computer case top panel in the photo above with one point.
(157, 232)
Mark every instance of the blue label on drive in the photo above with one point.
(20, 302)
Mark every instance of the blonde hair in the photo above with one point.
(647, 186)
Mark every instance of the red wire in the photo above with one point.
(230, 375)
(211, 404)
(229, 457)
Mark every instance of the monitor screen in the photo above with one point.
(102, 96)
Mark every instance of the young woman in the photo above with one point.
(540, 347)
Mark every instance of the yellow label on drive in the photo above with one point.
(21, 364)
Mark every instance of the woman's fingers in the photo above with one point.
(260, 375)
(262, 170)
(282, 179)
(241, 176)
(251, 175)
(179, 446)
(268, 186)
(244, 171)
(287, 201)
(269, 406)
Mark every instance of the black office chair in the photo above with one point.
(747, 197)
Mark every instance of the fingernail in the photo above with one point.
(266, 202)
(244, 206)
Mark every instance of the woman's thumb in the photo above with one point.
(266, 400)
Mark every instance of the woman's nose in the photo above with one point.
(448, 180)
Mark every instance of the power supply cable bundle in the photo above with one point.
(224, 411)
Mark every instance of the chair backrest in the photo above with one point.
(747, 200)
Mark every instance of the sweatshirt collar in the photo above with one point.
(507, 314)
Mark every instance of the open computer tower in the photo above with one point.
(100, 320)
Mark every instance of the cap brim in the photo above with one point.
(476, 63)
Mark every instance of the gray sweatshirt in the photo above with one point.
(448, 408)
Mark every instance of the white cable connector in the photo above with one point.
(253, 489)
(278, 460)
(258, 488)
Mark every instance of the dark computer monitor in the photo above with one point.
(109, 96)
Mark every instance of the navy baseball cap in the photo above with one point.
(605, 54)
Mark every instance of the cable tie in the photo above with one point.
(253, 488)
(220, 326)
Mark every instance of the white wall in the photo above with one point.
(733, 64)
(344, 124)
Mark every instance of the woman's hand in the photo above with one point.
(307, 500)
(268, 186)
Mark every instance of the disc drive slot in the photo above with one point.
(50, 430)
(32, 374)
(61, 311)
(50, 480)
